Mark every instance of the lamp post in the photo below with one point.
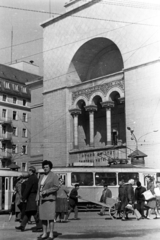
(133, 137)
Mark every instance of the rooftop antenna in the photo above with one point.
(11, 43)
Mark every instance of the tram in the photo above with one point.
(7, 179)
(92, 179)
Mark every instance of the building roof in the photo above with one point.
(16, 75)
(137, 154)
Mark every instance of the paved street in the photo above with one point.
(91, 226)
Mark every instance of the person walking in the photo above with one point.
(139, 198)
(106, 193)
(46, 198)
(152, 203)
(128, 198)
(18, 197)
(29, 197)
(73, 202)
(61, 202)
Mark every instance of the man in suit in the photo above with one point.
(29, 197)
(73, 202)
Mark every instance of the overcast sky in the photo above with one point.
(26, 27)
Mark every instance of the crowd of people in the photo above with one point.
(130, 200)
(48, 199)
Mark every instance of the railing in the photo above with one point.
(6, 154)
(5, 121)
(6, 136)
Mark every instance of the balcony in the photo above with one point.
(6, 154)
(6, 136)
(5, 121)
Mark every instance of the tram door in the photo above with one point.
(2, 193)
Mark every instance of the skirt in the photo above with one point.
(61, 205)
(151, 203)
(47, 210)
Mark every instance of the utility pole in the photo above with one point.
(50, 14)
(11, 43)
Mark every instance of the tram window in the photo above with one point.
(83, 179)
(127, 176)
(105, 178)
(158, 177)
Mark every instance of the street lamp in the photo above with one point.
(133, 137)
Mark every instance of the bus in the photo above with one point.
(92, 179)
(7, 179)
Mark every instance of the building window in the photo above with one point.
(4, 129)
(24, 90)
(4, 147)
(15, 131)
(24, 119)
(24, 166)
(14, 115)
(24, 132)
(24, 102)
(14, 149)
(15, 87)
(14, 100)
(6, 85)
(4, 113)
(4, 97)
(24, 149)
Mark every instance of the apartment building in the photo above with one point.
(15, 116)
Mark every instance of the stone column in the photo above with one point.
(108, 105)
(91, 109)
(75, 112)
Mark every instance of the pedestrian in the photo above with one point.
(12, 210)
(29, 197)
(151, 204)
(73, 202)
(61, 202)
(121, 198)
(18, 198)
(158, 196)
(47, 192)
(106, 193)
(128, 198)
(139, 198)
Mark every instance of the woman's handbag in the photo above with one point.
(148, 195)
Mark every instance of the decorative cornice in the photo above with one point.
(75, 111)
(104, 88)
(107, 104)
(91, 108)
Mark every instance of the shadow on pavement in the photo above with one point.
(128, 234)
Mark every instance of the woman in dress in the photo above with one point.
(46, 197)
(62, 203)
(151, 204)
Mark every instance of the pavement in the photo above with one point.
(90, 226)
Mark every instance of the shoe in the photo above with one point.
(50, 238)
(123, 219)
(101, 214)
(76, 218)
(148, 218)
(41, 238)
(37, 230)
(20, 228)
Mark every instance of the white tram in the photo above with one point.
(92, 179)
(7, 178)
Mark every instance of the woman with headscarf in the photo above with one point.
(46, 197)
